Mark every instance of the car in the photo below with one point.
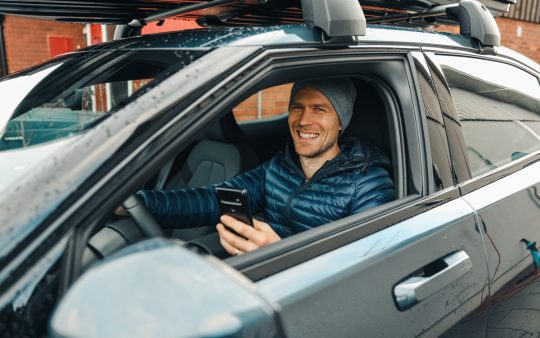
(458, 116)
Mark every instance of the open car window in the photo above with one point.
(68, 96)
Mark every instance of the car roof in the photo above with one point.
(280, 35)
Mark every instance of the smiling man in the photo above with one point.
(319, 178)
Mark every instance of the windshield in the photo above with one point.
(67, 96)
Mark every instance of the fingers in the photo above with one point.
(270, 236)
(241, 228)
(232, 242)
(258, 225)
(229, 248)
(250, 238)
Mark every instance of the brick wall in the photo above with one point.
(521, 36)
(274, 101)
(27, 40)
(527, 44)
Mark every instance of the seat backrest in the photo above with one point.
(370, 124)
(219, 157)
(369, 121)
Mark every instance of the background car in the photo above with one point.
(453, 255)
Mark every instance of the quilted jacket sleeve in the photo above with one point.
(375, 188)
(193, 207)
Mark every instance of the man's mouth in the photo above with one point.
(305, 135)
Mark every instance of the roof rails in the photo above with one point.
(340, 20)
(474, 19)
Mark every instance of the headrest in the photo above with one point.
(225, 129)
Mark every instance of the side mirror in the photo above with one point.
(157, 288)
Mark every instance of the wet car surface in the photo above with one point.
(453, 255)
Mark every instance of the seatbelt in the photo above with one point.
(164, 174)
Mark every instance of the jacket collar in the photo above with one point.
(353, 155)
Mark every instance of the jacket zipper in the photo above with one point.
(293, 195)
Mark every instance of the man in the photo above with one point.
(316, 180)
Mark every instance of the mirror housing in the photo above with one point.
(157, 288)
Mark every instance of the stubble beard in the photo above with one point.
(317, 152)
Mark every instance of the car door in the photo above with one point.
(498, 104)
(413, 267)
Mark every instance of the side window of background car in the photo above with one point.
(498, 107)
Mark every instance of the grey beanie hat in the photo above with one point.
(340, 92)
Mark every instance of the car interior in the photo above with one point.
(227, 147)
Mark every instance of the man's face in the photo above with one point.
(313, 124)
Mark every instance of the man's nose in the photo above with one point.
(306, 118)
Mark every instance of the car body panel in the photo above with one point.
(343, 288)
(352, 287)
(509, 209)
(215, 302)
(283, 35)
(57, 179)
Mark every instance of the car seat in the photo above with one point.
(219, 155)
(369, 122)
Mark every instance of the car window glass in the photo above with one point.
(440, 157)
(79, 92)
(498, 107)
(265, 104)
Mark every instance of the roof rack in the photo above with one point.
(339, 20)
(474, 19)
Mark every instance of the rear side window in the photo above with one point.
(498, 107)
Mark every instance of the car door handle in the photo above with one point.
(431, 278)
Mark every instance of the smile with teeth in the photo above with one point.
(307, 135)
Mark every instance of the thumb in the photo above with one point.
(261, 226)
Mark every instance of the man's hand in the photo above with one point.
(250, 238)
(120, 211)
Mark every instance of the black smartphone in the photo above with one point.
(235, 203)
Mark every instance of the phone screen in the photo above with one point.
(234, 202)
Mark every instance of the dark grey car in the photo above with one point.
(458, 116)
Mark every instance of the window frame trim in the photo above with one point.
(287, 254)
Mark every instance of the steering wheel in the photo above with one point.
(142, 217)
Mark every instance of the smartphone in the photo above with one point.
(234, 202)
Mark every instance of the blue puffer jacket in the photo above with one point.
(355, 180)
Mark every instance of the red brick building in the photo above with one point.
(520, 28)
(25, 42)
(28, 41)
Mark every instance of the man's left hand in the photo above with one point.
(250, 238)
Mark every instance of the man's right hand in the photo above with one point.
(251, 238)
